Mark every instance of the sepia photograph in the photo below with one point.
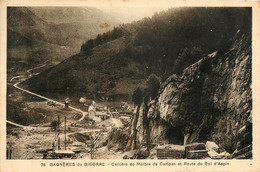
(121, 84)
(90, 83)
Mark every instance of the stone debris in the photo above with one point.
(170, 152)
(194, 146)
(197, 154)
(212, 146)
(214, 155)
(196, 151)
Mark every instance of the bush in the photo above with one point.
(54, 124)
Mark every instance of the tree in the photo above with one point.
(187, 57)
(137, 96)
(153, 85)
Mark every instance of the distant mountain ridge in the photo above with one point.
(68, 15)
(52, 33)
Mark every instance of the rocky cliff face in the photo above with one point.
(211, 100)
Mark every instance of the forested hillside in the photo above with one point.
(178, 37)
(114, 63)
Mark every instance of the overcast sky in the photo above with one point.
(132, 10)
(129, 14)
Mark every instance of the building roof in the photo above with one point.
(101, 113)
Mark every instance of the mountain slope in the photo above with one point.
(111, 65)
(103, 72)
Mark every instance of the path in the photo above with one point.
(15, 77)
(45, 98)
(38, 67)
(23, 126)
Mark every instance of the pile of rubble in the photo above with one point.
(192, 151)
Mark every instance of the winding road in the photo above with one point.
(25, 127)
(38, 67)
(45, 98)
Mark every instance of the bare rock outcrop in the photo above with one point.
(211, 100)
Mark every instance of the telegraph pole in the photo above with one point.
(58, 122)
(92, 150)
(65, 132)
(58, 132)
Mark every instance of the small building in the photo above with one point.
(102, 114)
(91, 108)
(91, 114)
(66, 104)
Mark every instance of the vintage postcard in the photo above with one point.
(126, 85)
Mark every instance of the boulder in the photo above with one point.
(194, 146)
(169, 151)
(212, 146)
(197, 154)
(214, 155)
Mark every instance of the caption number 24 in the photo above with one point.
(43, 164)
